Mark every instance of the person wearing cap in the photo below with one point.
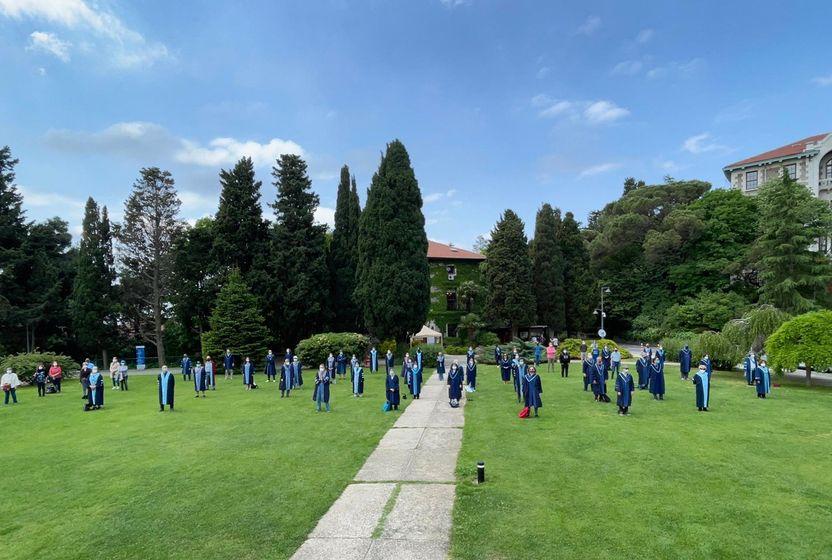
(657, 378)
(95, 393)
(186, 367)
(321, 393)
(455, 382)
(200, 381)
(762, 379)
(624, 388)
(391, 385)
(702, 381)
(9, 382)
(166, 384)
(532, 389)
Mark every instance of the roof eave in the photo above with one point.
(736, 166)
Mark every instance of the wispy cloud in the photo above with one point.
(592, 112)
(543, 72)
(743, 110)
(604, 112)
(677, 69)
(451, 4)
(823, 81)
(590, 25)
(438, 196)
(227, 151)
(49, 43)
(644, 36)
(702, 143)
(598, 169)
(627, 68)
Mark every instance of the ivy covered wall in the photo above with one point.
(440, 285)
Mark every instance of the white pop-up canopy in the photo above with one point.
(426, 336)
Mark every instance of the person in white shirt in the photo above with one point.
(10, 382)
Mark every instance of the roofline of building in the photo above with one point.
(456, 258)
(734, 167)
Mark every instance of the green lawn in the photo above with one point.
(236, 475)
(750, 479)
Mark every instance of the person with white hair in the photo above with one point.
(10, 382)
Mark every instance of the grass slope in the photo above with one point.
(235, 475)
(750, 479)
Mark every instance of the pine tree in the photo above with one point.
(508, 275)
(393, 280)
(547, 267)
(299, 304)
(13, 232)
(146, 240)
(237, 322)
(795, 277)
(343, 254)
(577, 280)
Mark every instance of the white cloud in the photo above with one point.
(325, 216)
(450, 4)
(437, 196)
(667, 165)
(604, 112)
(589, 26)
(737, 112)
(34, 198)
(555, 109)
(592, 112)
(41, 71)
(125, 47)
(50, 44)
(644, 35)
(227, 151)
(627, 68)
(543, 72)
(598, 169)
(823, 80)
(701, 144)
(197, 205)
(680, 69)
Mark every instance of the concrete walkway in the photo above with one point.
(400, 504)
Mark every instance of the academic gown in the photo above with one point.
(708, 366)
(200, 382)
(749, 364)
(297, 372)
(684, 361)
(624, 388)
(416, 381)
(599, 383)
(388, 361)
(391, 386)
(702, 381)
(419, 359)
(519, 371)
(455, 384)
(498, 354)
(166, 384)
(657, 379)
(587, 368)
(322, 387)
(606, 357)
(95, 395)
(330, 366)
(357, 379)
(186, 367)
(407, 371)
(471, 375)
(440, 365)
(228, 361)
(643, 369)
(341, 361)
(373, 361)
(532, 389)
(248, 374)
(505, 370)
(660, 355)
(762, 380)
(271, 366)
(285, 383)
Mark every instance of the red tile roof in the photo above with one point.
(793, 149)
(440, 251)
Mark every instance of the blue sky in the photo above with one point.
(500, 103)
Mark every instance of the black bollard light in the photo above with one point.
(480, 472)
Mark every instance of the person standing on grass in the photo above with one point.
(660, 353)
(357, 379)
(505, 370)
(200, 382)
(166, 383)
(702, 381)
(624, 388)
(186, 367)
(599, 379)
(706, 361)
(685, 360)
(749, 365)
(419, 358)
(588, 367)
(471, 374)
(469, 354)
(228, 364)
(388, 360)
(455, 382)
(122, 375)
(657, 378)
(373, 360)
(321, 393)
(84, 378)
(271, 367)
(114, 372)
(96, 390)
(289, 355)
(615, 360)
(391, 386)
(538, 354)
(56, 373)
(643, 370)
(583, 349)
(440, 366)
(330, 367)
(564, 359)
(39, 379)
(211, 373)
(606, 356)
(416, 380)
(498, 354)
(595, 351)
(341, 362)
(762, 379)
(407, 370)
(551, 354)
(248, 374)
(532, 389)
(519, 372)
(297, 372)
(285, 385)
(9, 382)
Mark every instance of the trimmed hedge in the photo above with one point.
(315, 349)
(24, 365)
(456, 350)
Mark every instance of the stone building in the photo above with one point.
(450, 267)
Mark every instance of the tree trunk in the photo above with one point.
(157, 318)
(808, 375)
(104, 357)
(514, 330)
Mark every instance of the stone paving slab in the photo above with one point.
(355, 513)
(431, 465)
(384, 465)
(342, 549)
(393, 549)
(401, 438)
(449, 439)
(422, 513)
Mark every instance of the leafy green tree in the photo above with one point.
(578, 284)
(547, 269)
(469, 292)
(299, 301)
(706, 311)
(237, 322)
(343, 255)
(508, 274)
(471, 323)
(752, 330)
(393, 279)
(13, 233)
(795, 277)
(805, 339)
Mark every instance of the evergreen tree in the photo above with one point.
(146, 240)
(343, 255)
(547, 269)
(577, 280)
(795, 277)
(393, 280)
(508, 274)
(301, 291)
(13, 232)
(237, 322)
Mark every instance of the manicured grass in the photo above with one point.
(235, 475)
(749, 479)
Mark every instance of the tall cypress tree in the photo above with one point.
(343, 254)
(577, 280)
(393, 280)
(299, 298)
(13, 232)
(508, 274)
(547, 268)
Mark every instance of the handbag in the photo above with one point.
(524, 413)
(386, 406)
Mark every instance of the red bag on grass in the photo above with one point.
(524, 413)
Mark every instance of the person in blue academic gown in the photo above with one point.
(624, 388)
(297, 372)
(228, 364)
(186, 367)
(598, 375)
(657, 379)
(440, 366)
(289, 355)
(505, 369)
(455, 382)
(271, 367)
(407, 370)
(419, 358)
(286, 377)
(95, 394)
(498, 354)
(321, 393)
(643, 370)
(685, 360)
(341, 364)
(762, 379)
(416, 380)
(373, 360)
(469, 354)
(357, 379)
(606, 356)
(166, 383)
(538, 354)
(330, 367)
(248, 374)
(210, 371)
(200, 382)
(391, 386)
(588, 366)
(706, 361)
(471, 374)
(702, 381)
(660, 353)
(532, 389)
(750, 364)
(388, 360)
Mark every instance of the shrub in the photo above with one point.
(386, 345)
(485, 338)
(574, 347)
(674, 344)
(429, 353)
(24, 365)
(315, 349)
(805, 339)
(717, 347)
(456, 350)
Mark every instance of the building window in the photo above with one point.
(750, 180)
(451, 297)
(451, 272)
(791, 170)
(829, 169)
(453, 330)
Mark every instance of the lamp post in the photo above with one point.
(604, 290)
